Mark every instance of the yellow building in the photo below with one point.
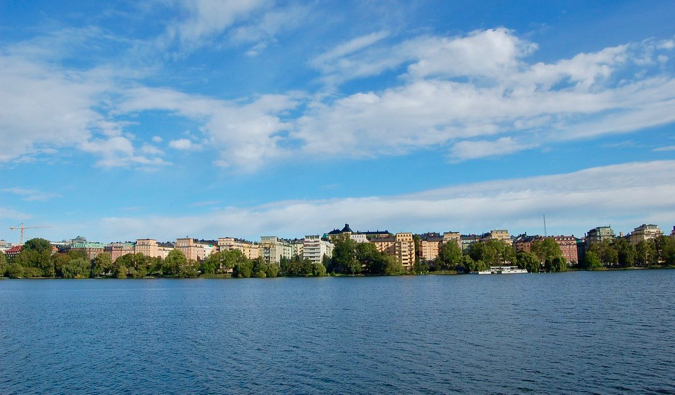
(248, 249)
(401, 246)
(644, 232)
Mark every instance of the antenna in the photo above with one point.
(545, 234)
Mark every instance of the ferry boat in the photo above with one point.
(503, 270)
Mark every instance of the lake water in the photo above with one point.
(606, 332)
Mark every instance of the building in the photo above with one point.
(272, 249)
(429, 245)
(12, 252)
(117, 250)
(193, 250)
(467, 240)
(91, 249)
(401, 247)
(359, 237)
(314, 249)
(248, 248)
(568, 248)
(147, 247)
(500, 234)
(598, 235)
(644, 232)
(524, 242)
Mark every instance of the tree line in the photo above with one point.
(349, 258)
(659, 251)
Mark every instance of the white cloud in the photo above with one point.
(623, 195)
(467, 149)
(181, 144)
(665, 149)
(30, 195)
(246, 134)
(208, 18)
(480, 85)
(156, 139)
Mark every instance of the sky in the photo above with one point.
(210, 118)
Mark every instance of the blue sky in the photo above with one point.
(209, 118)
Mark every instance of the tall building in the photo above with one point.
(429, 245)
(248, 248)
(568, 248)
(315, 249)
(500, 234)
(193, 250)
(401, 246)
(644, 232)
(598, 235)
(147, 247)
(117, 250)
(91, 249)
(272, 249)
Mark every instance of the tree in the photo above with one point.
(101, 265)
(592, 261)
(15, 270)
(35, 264)
(625, 252)
(499, 253)
(645, 253)
(556, 264)
(3, 264)
(392, 266)
(173, 262)
(189, 269)
(318, 270)
(528, 261)
(449, 256)
(344, 257)
(243, 269)
(546, 249)
(77, 268)
(38, 245)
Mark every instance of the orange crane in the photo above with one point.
(26, 227)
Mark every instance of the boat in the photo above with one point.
(502, 270)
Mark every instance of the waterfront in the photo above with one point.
(605, 332)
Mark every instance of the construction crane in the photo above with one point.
(26, 227)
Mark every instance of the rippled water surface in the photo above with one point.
(610, 332)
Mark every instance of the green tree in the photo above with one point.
(668, 250)
(189, 269)
(318, 270)
(556, 264)
(592, 261)
(273, 270)
(3, 264)
(77, 268)
(625, 252)
(15, 270)
(546, 250)
(644, 253)
(35, 264)
(38, 245)
(605, 252)
(173, 262)
(344, 257)
(528, 261)
(392, 266)
(243, 269)
(498, 253)
(449, 257)
(101, 265)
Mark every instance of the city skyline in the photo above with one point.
(213, 119)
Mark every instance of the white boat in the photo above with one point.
(503, 270)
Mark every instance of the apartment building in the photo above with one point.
(644, 232)
(248, 248)
(598, 235)
(91, 249)
(401, 246)
(117, 250)
(315, 249)
(272, 249)
(194, 250)
(499, 234)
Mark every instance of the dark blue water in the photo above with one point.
(610, 332)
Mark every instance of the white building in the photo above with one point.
(314, 248)
(272, 249)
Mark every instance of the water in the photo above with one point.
(609, 332)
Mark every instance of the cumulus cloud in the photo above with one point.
(181, 144)
(455, 89)
(573, 203)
